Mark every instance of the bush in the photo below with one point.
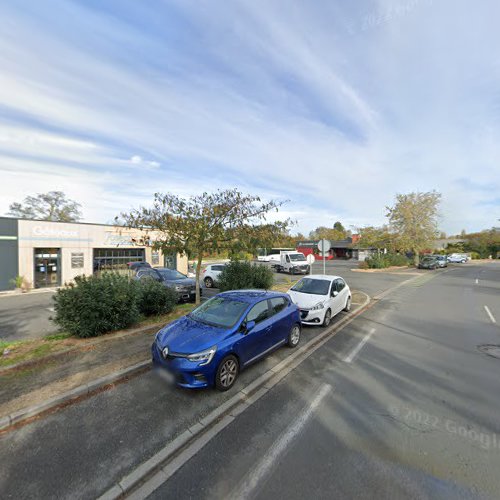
(238, 275)
(475, 255)
(386, 260)
(155, 298)
(96, 305)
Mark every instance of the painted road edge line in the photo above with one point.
(161, 467)
(350, 357)
(488, 312)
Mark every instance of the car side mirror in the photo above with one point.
(249, 326)
(335, 293)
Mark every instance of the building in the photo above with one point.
(347, 248)
(51, 254)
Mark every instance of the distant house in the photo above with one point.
(348, 248)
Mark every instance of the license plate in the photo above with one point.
(165, 375)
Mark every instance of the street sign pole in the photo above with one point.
(323, 247)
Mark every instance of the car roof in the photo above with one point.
(328, 277)
(250, 296)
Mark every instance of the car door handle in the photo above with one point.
(267, 330)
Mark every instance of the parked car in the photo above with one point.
(134, 266)
(213, 343)
(320, 298)
(428, 263)
(291, 262)
(442, 260)
(211, 274)
(457, 258)
(184, 286)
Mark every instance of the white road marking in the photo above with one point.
(488, 312)
(355, 351)
(255, 476)
(477, 281)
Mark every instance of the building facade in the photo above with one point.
(50, 254)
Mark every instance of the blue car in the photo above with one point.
(213, 343)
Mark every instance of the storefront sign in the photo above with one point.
(54, 232)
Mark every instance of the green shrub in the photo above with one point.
(17, 282)
(238, 275)
(96, 305)
(156, 298)
(475, 255)
(386, 260)
(396, 259)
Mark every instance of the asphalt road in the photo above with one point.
(26, 316)
(411, 413)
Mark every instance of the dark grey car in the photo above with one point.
(184, 286)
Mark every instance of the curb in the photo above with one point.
(145, 478)
(25, 414)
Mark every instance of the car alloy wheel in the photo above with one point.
(328, 318)
(294, 336)
(227, 373)
(347, 307)
(209, 283)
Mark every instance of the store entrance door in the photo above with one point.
(47, 267)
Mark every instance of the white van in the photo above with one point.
(290, 262)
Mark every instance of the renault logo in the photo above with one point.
(165, 352)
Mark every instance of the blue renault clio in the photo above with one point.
(213, 343)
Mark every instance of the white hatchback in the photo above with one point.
(211, 274)
(320, 297)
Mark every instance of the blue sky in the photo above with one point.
(333, 105)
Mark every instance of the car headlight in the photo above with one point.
(204, 356)
(318, 306)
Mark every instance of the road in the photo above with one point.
(401, 403)
(414, 415)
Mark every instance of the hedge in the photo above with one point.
(238, 275)
(96, 305)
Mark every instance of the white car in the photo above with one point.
(320, 297)
(211, 274)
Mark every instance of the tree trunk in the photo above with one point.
(416, 257)
(198, 270)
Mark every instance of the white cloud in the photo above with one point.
(275, 98)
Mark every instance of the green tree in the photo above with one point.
(328, 233)
(340, 228)
(53, 206)
(375, 237)
(413, 219)
(226, 220)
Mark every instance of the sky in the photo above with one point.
(333, 106)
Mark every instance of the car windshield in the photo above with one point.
(296, 256)
(219, 311)
(171, 274)
(312, 286)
